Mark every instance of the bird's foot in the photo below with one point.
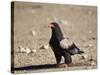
(62, 65)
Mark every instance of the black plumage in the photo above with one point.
(62, 46)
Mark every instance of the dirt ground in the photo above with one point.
(31, 20)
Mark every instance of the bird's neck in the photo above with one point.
(57, 34)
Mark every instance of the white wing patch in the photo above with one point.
(65, 43)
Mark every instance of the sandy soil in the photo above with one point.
(78, 23)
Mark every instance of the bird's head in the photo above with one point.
(56, 31)
(53, 25)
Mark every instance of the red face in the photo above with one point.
(51, 26)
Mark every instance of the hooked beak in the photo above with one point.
(50, 26)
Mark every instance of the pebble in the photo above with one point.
(44, 47)
(21, 49)
(85, 56)
(90, 31)
(90, 58)
(33, 32)
(90, 45)
(93, 63)
(34, 51)
(64, 22)
(93, 38)
(82, 57)
(28, 50)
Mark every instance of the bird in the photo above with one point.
(62, 46)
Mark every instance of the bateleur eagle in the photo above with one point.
(62, 46)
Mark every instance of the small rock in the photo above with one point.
(21, 49)
(64, 22)
(85, 56)
(44, 47)
(33, 33)
(90, 45)
(93, 63)
(82, 57)
(27, 50)
(34, 51)
(90, 59)
(93, 38)
(90, 31)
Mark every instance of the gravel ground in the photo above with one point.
(31, 35)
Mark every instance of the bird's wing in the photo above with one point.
(70, 46)
(66, 43)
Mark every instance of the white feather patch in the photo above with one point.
(65, 43)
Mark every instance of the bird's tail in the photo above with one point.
(79, 51)
(75, 50)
